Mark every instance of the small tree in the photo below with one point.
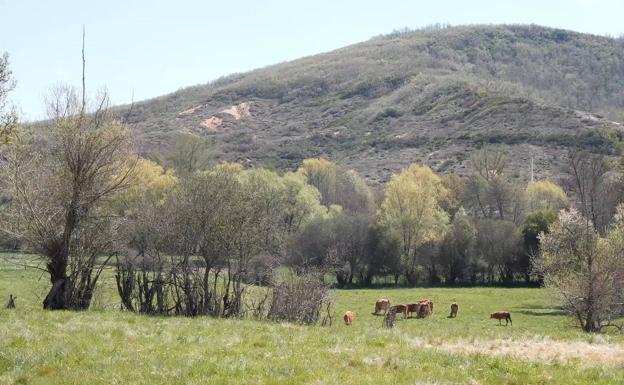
(585, 269)
(299, 299)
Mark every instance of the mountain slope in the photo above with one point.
(425, 96)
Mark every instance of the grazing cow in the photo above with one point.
(500, 315)
(429, 302)
(454, 308)
(11, 303)
(382, 304)
(400, 309)
(348, 318)
(413, 308)
(424, 310)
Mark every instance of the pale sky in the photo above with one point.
(156, 47)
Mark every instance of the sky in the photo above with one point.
(148, 48)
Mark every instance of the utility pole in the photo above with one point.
(84, 98)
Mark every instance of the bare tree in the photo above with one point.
(60, 187)
(588, 182)
(584, 268)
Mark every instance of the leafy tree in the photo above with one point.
(456, 186)
(537, 222)
(383, 256)
(498, 243)
(350, 240)
(457, 247)
(545, 195)
(151, 183)
(411, 210)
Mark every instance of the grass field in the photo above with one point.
(105, 346)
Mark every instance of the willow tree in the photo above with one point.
(61, 175)
(546, 195)
(411, 210)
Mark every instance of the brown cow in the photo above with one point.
(348, 318)
(454, 308)
(382, 304)
(400, 309)
(429, 302)
(424, 310)
(502, 315)
(413, 308)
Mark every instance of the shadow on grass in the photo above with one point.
(537, 313)
(538, 306)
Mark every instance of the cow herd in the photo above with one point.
(420, 309)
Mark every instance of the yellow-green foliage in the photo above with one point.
(411, 208)
(150, 182)
(546, 195)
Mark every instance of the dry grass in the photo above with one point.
(579, 353)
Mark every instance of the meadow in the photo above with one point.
(107, 346)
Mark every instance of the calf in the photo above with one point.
(500, 315)
(11, 303)
(389, 318)
(382, 304)
(348, 318)
(454, 308)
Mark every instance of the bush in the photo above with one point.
(301, 299)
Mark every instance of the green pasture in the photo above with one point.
(107, 346)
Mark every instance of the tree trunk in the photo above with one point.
(58, 296)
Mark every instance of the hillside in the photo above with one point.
(425, 96)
